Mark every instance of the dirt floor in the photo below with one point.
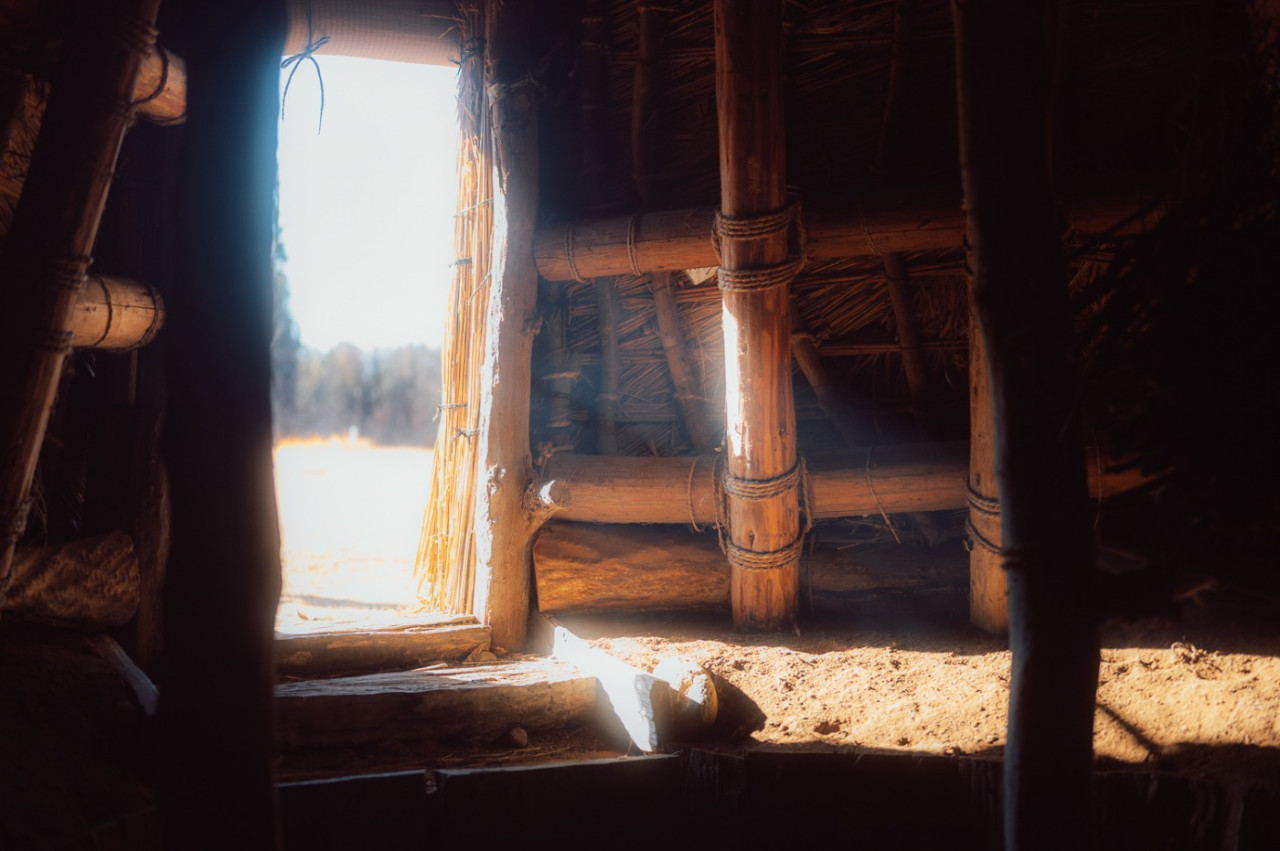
(891, 671)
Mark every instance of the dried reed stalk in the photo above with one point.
(445, 565)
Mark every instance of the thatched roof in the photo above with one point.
(870, 121)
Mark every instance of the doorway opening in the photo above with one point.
(367, 192)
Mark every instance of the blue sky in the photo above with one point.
(366, 205)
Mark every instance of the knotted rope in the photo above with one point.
(787, 220)
(307, 54)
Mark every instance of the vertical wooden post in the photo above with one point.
(988, 593)
(761, 489)
(223, 582)
(504, 534)
(1023, 313)
(48, 245)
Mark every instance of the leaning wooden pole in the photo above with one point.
(503, 531)
(1021, 304)
(222, 585)
(761, 482)
(46, 256)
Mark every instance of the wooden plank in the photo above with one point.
(636, 801)
(610, 569)
(478, 702)
(637, 700)
(502, 531)
(673, 240)
(325, 653)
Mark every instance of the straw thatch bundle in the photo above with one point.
(445, 560)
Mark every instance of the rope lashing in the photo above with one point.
(568, 251)
(757, 490)
(632, 255)
(787, 220)
(745, 559)
(307, 54)
(983, 506)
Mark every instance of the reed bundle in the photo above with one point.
(445, 564)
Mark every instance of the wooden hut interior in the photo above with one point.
(807, 363)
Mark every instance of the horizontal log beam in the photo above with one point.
(473, 702)
(606, 569)
(670, 240)
(115, 314)
(888, 479)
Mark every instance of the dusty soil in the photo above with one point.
(896, 671)
(1201, 695)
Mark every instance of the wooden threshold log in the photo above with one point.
(892, 479)
(326, 653)
(469, 703)
(90, 582)
(614, 569)
(673, 240)
(115, 314)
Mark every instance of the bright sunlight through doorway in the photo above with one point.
(366, 202)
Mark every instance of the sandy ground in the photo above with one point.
(902, 672)
(350, 514)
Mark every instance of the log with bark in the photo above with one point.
(116, 314)
(889, 479)
(673, 240)
(615, 569)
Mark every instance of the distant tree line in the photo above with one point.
(388, 395)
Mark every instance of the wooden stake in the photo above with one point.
(1021, 303)
(503, 533)
(763, 535)
(689, 399)
(48, 245)
(609, 312)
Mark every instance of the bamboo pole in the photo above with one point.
(503, 533)
(688, 395)
(671, 240)
(912, 353)
(1023, 313)
(832, 402)
(609, 310)
(48, 245)
(762, 511)
(884, 479)
(115, 314)
(689, 399)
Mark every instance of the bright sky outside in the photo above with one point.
(366, 205)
